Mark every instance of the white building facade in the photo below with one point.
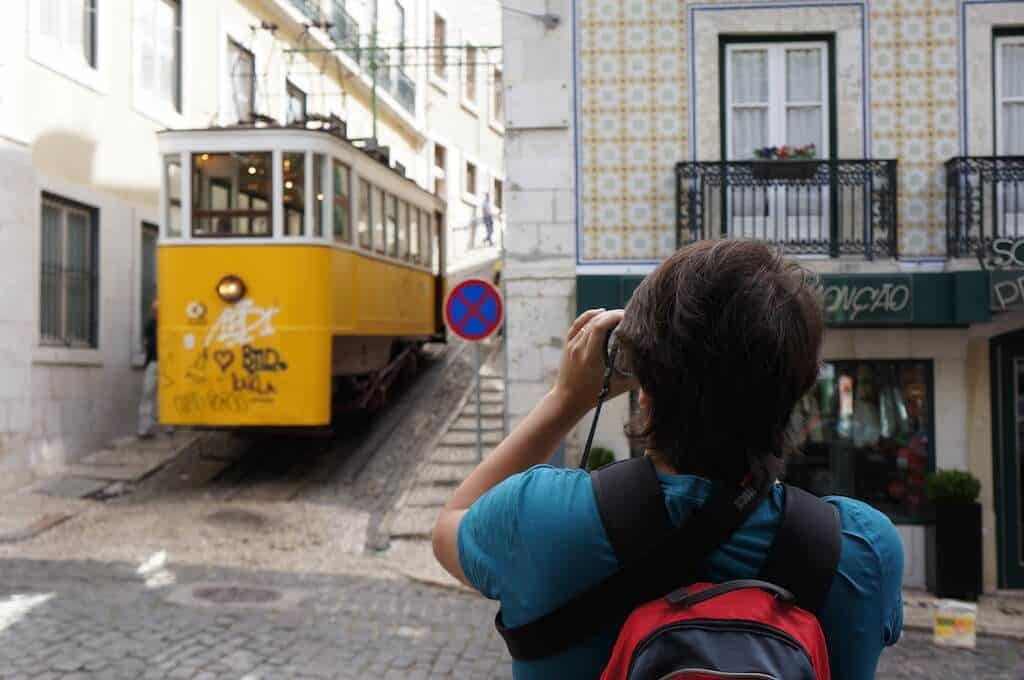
(637, 127)
(88, 83)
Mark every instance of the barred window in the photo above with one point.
(69, 308)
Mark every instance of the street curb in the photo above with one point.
(44, 523)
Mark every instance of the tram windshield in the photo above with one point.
(231, 194)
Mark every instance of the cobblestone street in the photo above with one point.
(96, 620)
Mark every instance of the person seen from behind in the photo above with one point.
(723, 339)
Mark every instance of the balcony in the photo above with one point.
(405, 91)
(984, 202)
(345, 31)
(815, 207)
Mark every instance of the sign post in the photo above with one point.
(474, 311)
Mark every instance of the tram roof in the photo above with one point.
(243, 138)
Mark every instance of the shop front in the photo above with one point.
(920, 372)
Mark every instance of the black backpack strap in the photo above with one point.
(674, 559)
(805, 552)
(632, 506)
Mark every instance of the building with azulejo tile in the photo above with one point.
(881, 142)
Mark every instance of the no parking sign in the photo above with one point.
(474, 310)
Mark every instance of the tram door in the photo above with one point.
(1008, 421)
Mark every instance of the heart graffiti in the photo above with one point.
(224, 358)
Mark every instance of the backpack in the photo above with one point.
(753, 629)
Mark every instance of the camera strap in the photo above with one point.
(605, 389)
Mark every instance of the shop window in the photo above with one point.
(231, 194)
(69, 274)
(866, 431)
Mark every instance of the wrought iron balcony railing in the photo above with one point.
(808, 207)
(405, 91)
(984, 202)
(345, 31)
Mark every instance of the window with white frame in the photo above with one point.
(1010, 95)
(469, 78)
(296, 112)
(158, 51)
(498, 98)
(776, 94)
(70, 28)
(68, 299)
(400, 32)
(498, 197)
(440, 170)
(242, 83)
(470, 188)
(440, 54)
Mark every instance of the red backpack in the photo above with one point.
(763, 629)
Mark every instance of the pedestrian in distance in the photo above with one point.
(150, 376)
(487, 209)
(721, 341)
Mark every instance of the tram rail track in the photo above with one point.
(280, 466)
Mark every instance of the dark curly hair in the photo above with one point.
(724, 337)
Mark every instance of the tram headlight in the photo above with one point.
(231, 288)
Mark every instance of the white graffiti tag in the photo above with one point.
(241, 324)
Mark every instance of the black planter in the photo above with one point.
(802, 170)
(953, 551)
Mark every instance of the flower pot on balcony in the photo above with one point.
(797, 170)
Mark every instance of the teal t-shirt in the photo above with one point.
(536, 540)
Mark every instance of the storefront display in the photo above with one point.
(865, 431)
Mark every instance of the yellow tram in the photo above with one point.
(297, 275)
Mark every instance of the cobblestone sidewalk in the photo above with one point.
(75, 620)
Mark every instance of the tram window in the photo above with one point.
(425, 238)
(392, 218)
(172, 170)
(342, 203)
(318, 195)
(294, 193)
(230, 194)
(403, 230)
(365, 216)
(414, 234)
(377, 213)
(428, 251)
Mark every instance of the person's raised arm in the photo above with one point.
(580, 379)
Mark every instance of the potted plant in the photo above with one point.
(599, 457)
(785, 162)
(953, 541)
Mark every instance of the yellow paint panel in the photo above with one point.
(266, 360)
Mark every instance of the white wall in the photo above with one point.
(469, 130)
